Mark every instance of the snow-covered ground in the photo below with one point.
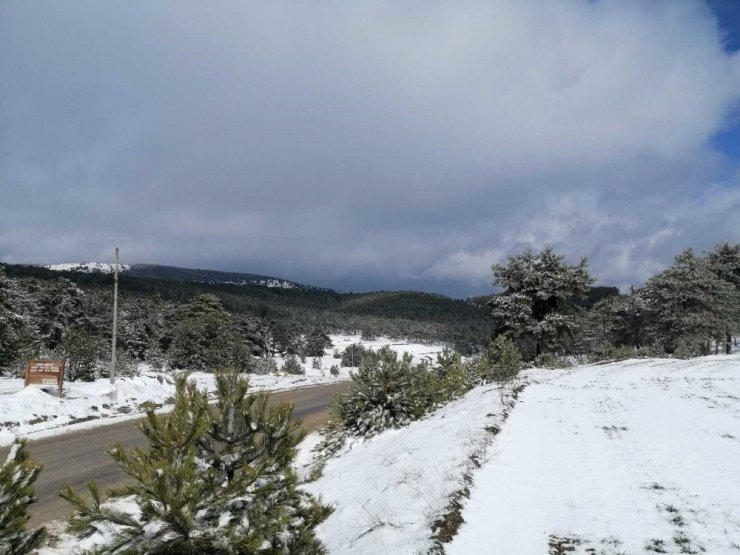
(634, 457)
(387, 491)
(631, 457)
(34, 411)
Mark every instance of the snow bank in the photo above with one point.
(632, 457)
(387, 491)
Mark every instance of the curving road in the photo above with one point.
(79, 457)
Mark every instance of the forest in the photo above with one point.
(551, 311)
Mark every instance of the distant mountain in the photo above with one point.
(87, 267)
(173, 273)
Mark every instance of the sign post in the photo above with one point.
(45, 372)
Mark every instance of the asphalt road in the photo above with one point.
(79, 457)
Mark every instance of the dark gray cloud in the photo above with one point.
(365, 145)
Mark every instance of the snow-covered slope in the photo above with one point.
(388, 491)
(634, 457)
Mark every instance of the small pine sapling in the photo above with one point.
(210, 482)
(293, 366)
(17, 474)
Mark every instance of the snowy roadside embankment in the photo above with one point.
(35, 411)
(388, 491)
(632, 457)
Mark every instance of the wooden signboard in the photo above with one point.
(45, 372)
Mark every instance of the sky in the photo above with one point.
(370, 145)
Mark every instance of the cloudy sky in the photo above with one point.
(369, 145)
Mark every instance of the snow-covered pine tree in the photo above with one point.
(386, 393)
(623, 319)
(293, 366)
(537, 307)
(506, 361)
(689, 305)
(17, 475)
(210, 482)
(452, 379)
(203, 336)
(316, 343)
(18, 339)
(724, 261)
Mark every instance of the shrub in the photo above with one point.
(452, 381)
(264, 365)
(387, 392)
(353, 355)
(549, 360)
(210, 481)
(293, 366)
(334, 370)
(505, 359)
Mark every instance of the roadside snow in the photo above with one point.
(632, 457)
(36, 411)
(387, 491)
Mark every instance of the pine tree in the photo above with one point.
(624, 319)
(386, 393)
(505, 359)
(724, 261)
(17, 474)
(203, 337)
(293, 366)
(689, 305)
(353, 355)
(18, 339)
(538, 306)
(316, 343)
(210, 482)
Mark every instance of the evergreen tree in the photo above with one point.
(316, 343)
(293, 366)
(81, 352)
(624, 319)
(353, 355)
(505, 359)
(210, 482)
(386, 393)
(689, 305)
(724, 261)
(17, 474)
(538, 306)
(453, 378)
(18, 339)
(203, 337)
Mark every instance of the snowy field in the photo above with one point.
(34, 411)
(632, 457)
(639, 456)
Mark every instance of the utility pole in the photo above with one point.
(115, 322)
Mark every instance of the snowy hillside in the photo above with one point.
(211, 277)
(87, 267)
(633, 457)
